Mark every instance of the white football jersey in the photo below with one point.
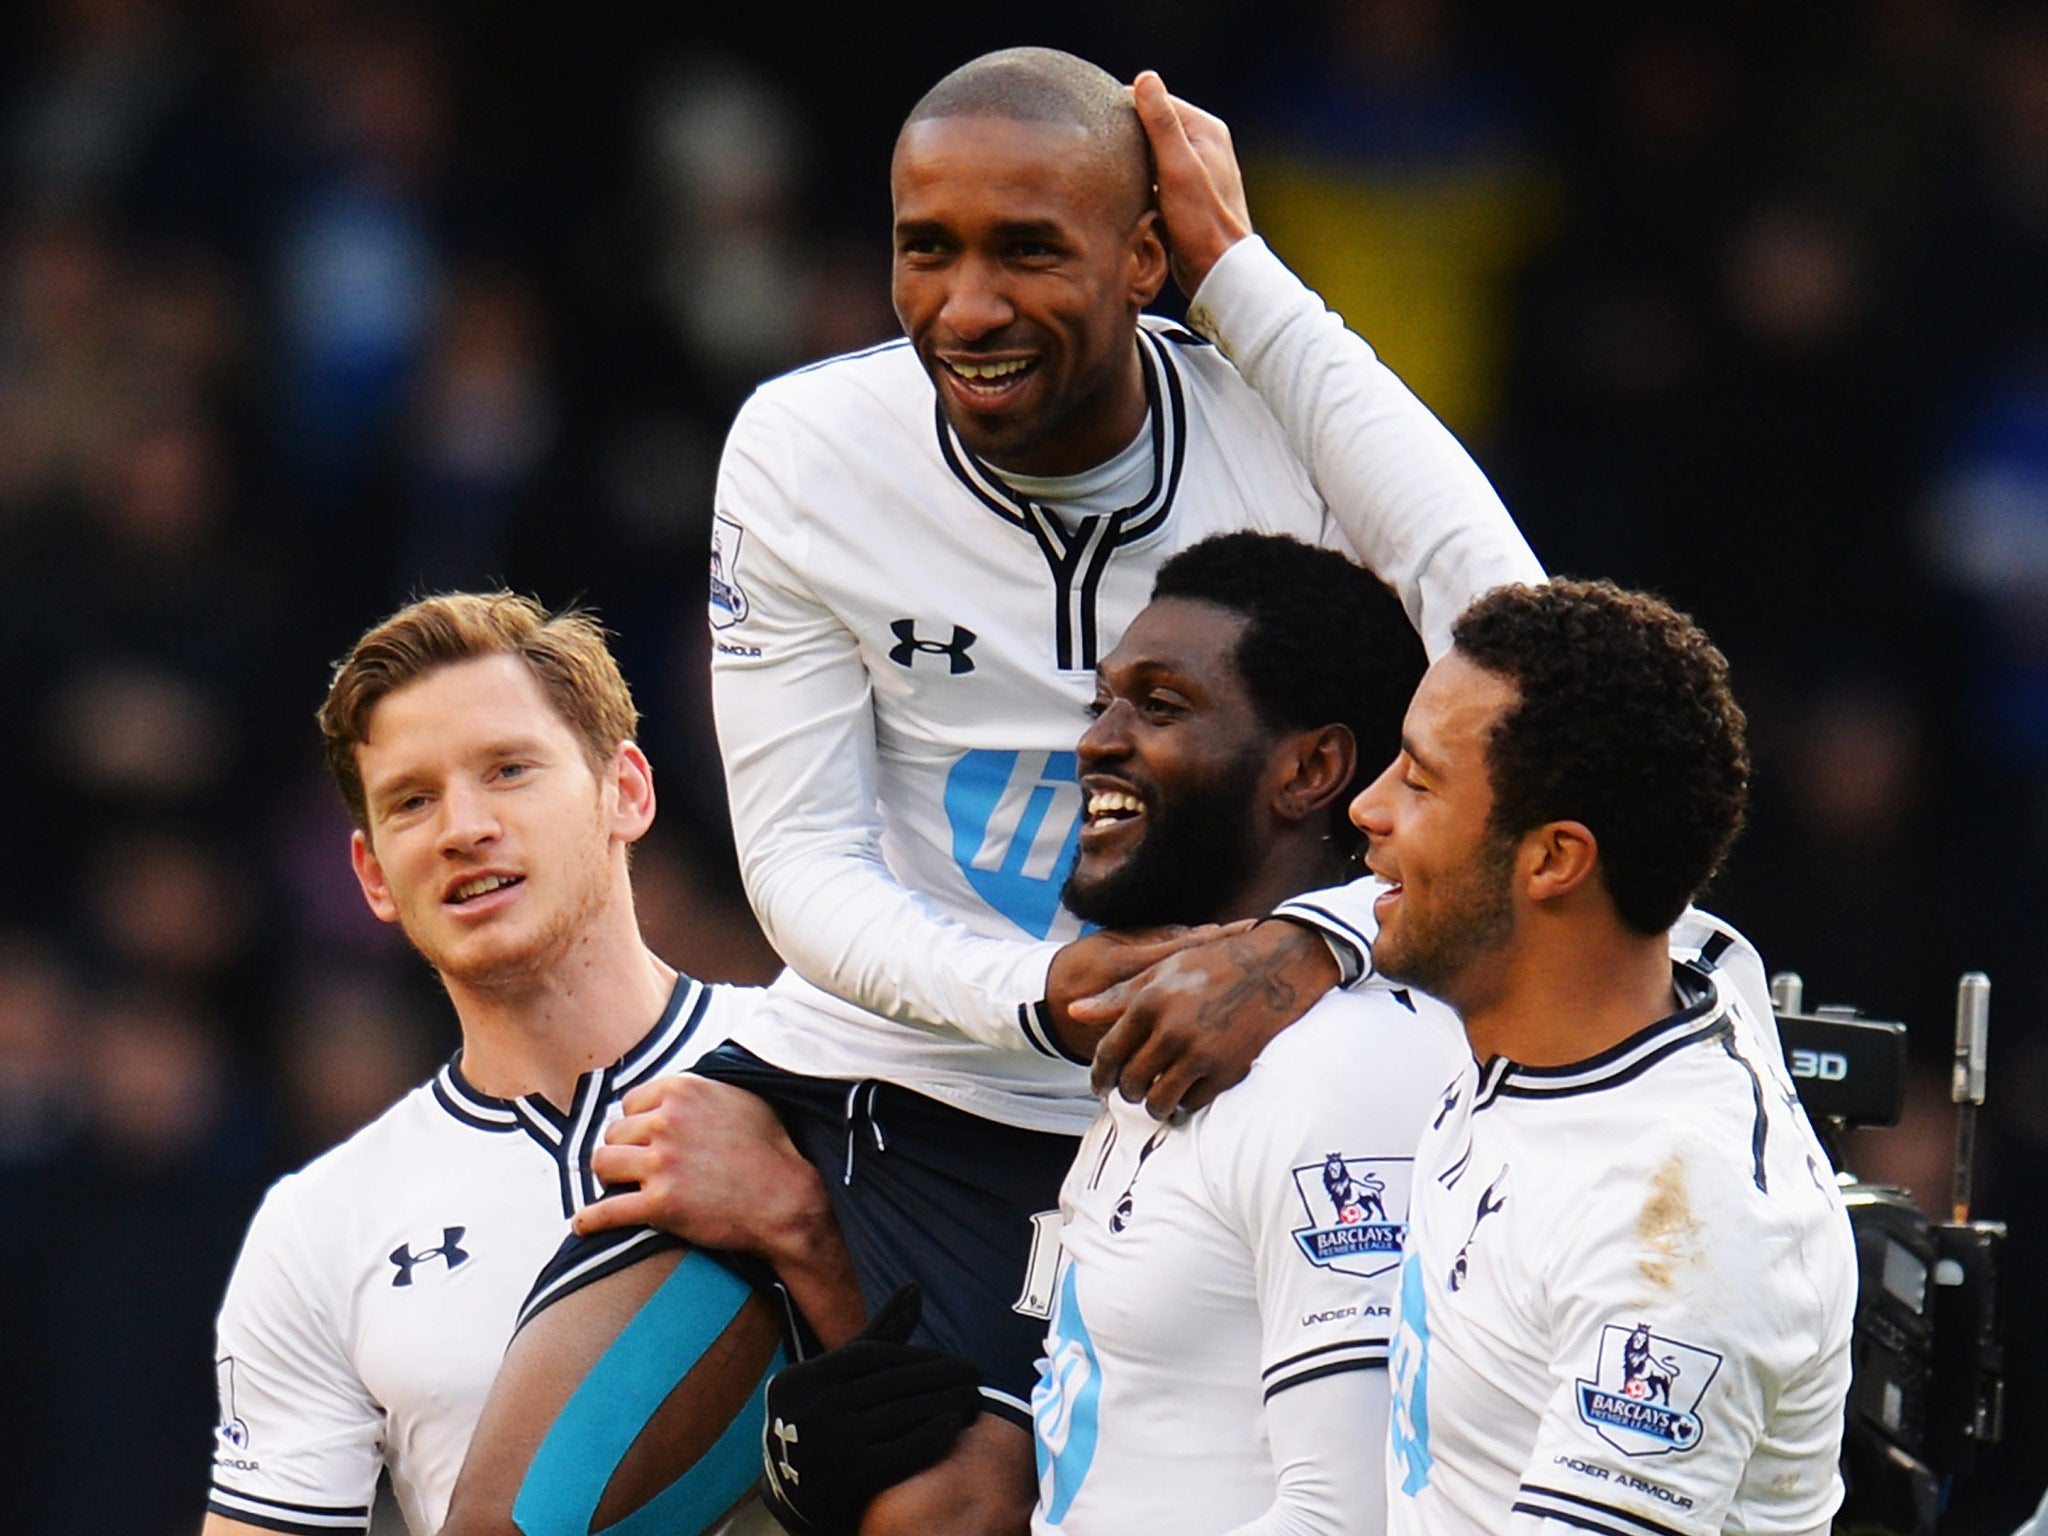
(1213, 1262)
(904, 647)
(377, 1288)
(1629, 1287)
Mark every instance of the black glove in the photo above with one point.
(846, 1424)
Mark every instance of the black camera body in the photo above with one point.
(1928, 1387)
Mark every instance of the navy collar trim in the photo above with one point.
(687, 1003)
(1166, 398)
(1701, 1017)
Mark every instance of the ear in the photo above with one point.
(370, 876)
(1558, 859)
(631, 778)
(1316, 767)
(1148, 262)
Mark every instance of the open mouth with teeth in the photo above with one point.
(481, 886)
(1384, 902)
(989, 379)
(1110, 810)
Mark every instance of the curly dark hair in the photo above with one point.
(1624, 723)
(1324, 643)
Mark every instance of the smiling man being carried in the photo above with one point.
(921, 553)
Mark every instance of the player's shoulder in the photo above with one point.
(313, 1210)
(705, 1015)
(730, 1000)
(1375, 1055)
(1185, 342)
(1711, 943)
(881, 380)
(1378, 1025)
(390, 1147)
(1199, 364)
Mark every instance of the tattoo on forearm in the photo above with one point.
(1260, 979)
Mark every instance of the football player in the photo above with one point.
(921, 553)
(1627, 1297)
(1216, 1357)
(485, 751)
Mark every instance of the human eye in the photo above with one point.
(1164, 706)
(403, 805)
(1034, 252)
(920, 245)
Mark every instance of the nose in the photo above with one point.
(1371, 809)
(1107, 737)
(467, 818)
(977, 300)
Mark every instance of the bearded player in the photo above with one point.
(1217, 1351)
(1627, 1298)
(921, 554)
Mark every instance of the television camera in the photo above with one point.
(1928, 1389)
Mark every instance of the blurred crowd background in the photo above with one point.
(310, 306)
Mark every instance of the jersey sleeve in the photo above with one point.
(1311, 1170)
(1344, 916)
(1313, 1178)
(796, 730)
(1325, 1437)
(1684, 1331)
(300, 1440)
(1404, 490)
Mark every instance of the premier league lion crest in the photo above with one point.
(1355, 1207)
(1648, 1386)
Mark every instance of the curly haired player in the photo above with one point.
(1626, 1302)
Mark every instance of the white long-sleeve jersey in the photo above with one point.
(1216, 1356)
(904, 648)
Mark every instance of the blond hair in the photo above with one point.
(566, 652)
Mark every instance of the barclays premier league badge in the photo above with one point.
(1352, 1205)
(1648, 1386)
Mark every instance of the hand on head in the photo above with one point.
(1201, 190)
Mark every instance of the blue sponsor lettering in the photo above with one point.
(1016, 820)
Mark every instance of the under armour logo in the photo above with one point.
(785, 1431)
(907, 646)
(451, 1252)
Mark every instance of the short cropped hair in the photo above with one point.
(1046, 85)
(566, 652)
(1624, 722)
(1324, 643)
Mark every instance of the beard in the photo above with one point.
(1431, 947)
(1196, 855)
